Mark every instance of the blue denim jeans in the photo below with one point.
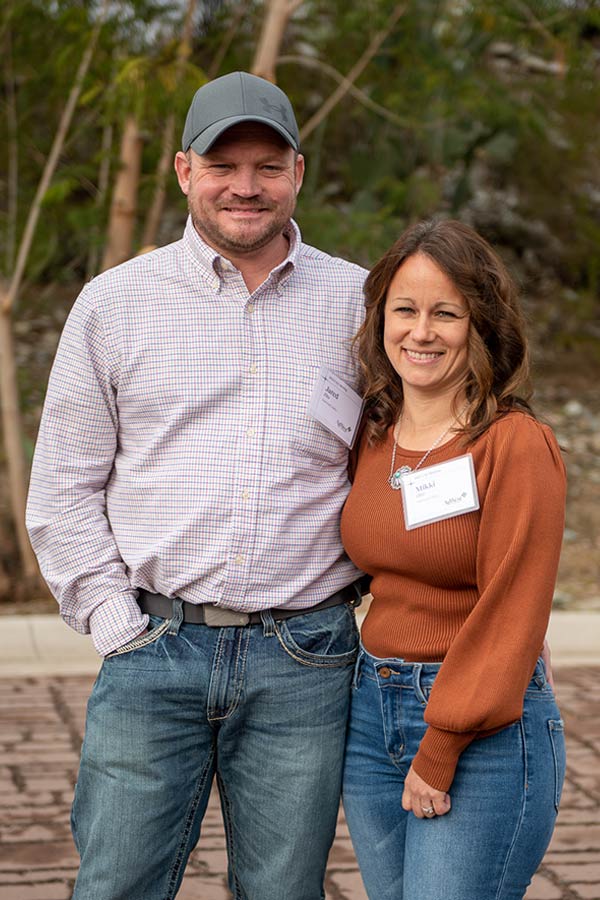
(505, 793)
(264, 708)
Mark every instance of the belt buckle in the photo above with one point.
(221, 617)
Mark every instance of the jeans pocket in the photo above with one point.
(158, 627)
(556, 729)
(326, 638)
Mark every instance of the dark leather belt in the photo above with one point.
(221, 617)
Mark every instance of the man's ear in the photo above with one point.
(183, 170)
(299, 172)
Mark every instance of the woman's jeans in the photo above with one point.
(505, 793)
(264, 708)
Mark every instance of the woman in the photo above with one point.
(455, 754)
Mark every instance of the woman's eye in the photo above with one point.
(448, 314)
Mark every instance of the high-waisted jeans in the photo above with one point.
(264, 708)
(505, 793)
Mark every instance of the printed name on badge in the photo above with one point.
(336, 406)
(439, 492)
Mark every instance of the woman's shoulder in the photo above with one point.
(521, 433)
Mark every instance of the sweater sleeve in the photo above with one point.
(482, 681)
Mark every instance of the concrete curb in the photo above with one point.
(39, 645)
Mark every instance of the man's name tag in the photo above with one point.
(335, 405)
(439, 492)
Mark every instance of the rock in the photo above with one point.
(574, 409)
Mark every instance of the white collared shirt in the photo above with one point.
(176, 452)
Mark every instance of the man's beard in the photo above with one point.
(239, 243)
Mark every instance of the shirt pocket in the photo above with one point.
(310, 442)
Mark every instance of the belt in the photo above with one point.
(221, 617)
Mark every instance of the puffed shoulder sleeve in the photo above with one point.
(482, 681)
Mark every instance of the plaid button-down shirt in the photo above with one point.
(176, 452)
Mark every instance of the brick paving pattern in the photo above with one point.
(41, 726)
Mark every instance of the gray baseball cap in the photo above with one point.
(233, 98)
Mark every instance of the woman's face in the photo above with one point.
(426, 328)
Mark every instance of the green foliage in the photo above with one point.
(487, 112)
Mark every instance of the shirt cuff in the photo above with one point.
(115, 622)
(437, 756)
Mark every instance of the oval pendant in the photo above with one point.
(396, 478)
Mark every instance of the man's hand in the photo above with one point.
(423, 800)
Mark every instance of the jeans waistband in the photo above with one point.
(221, 617)
(398, 671)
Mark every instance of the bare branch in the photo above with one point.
(51, 163)
(354, 91)
(163, 168)
(552, 40)
(13, 155)
(228, 37)
(276, 19)
(354, 72)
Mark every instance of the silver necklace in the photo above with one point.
(395, 478)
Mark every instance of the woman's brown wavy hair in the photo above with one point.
(498, 356)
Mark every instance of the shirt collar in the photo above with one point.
(212, 262)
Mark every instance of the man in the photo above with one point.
(184, 507)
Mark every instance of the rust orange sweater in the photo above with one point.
(474, 591)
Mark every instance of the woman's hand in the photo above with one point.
(423, 800)
(548, 663)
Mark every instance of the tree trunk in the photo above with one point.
(279, 12)
(119, 243)
(9, 394)
(103, 182)
(15, 459)
(164, 164)
(12, 148)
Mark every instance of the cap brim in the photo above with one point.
(206, 139)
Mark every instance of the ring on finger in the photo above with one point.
(428, 811)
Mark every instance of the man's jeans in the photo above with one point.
(505, 793)
(264, 707)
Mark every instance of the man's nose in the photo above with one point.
(245, 182)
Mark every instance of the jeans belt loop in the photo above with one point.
(177, 617)
(358, 667)
(417, 672)
(268, 623)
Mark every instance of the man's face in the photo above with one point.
(242, 193)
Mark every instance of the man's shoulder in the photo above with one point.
(318, 259)
(133, 281)
(139, 268)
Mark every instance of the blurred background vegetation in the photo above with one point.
(488, 112)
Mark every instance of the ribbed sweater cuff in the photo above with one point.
(438, 755)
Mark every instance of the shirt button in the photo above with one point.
(253, 369)
(250, 432)
(250, 308)
(245, 495)
(385, 671)
(239, 559)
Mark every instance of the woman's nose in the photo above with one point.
(422, 328)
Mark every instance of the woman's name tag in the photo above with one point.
(439, 492)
